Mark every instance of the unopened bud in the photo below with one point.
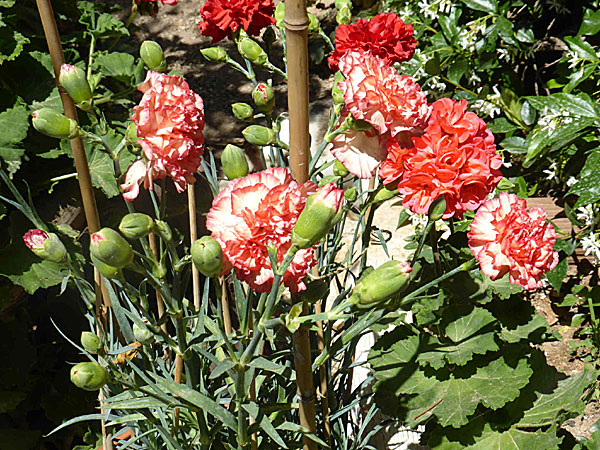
(91, 343)
(264, 98)
(259, 135)
(51, 123)
(142, 334)
(47, 246)
(215, 54)
(105, 270)
(164, 230)
(253, 52)
(351, 194)
(383, 193)
(136, 225)
(339, 169)
(234, 162)
(336, 92)
(381, 284)
(207, 255)
(111, 248)
(131, 134)
(90, 376)
(437, 209)
(344, 11)
(153, 56)
(243, 111)
(318, 215)
(75, 82)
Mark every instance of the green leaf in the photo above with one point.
(11, 44)
(117, 65)
(501, 125)
(588, 186)
(7, 3)
(581, 48)
(577, 105)
(525, 35)
(558, 274)
(567, 397)
(524, 331)
(591, 23)
(489, 6)
(14, 124)
(460, 353)
(457, 69)
(515, 440)
(468, 325)
(109, 26)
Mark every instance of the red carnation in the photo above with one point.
(385, 36)
(222, 18)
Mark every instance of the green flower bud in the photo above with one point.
(253, 52)
(259, 135)
(344, 13)
(336, 92)
(91, 343)
(105, 270)
(51, 123)
(243, 111)
(383, 193)
(111, 248)
(437, 209)
(207, 256)
(131, 134)
(164, 230)
(318, 216)
(90, 376)
(143, 335)
(381, 284)
(264, 98)
(328, 179)
(136, 225)
(235, 164)
(75, 82)
(313, 26)
(280, 15)
(339, 169)
(153, 56)
(47, 246)
(215, 54)
(351, 194)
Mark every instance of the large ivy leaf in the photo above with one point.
(11, 44)
(109, 26)
(580, 105)
(467, 326)
(117, 65)
(519, 321)
(566, 398)
(14, 124)
(588, 186)
(489, 6)
(516, 440)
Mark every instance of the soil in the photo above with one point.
(175, 29)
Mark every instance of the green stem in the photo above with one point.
(421, 242)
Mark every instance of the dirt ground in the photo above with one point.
(175, 29)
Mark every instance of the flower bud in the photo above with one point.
(47, 246)
(253, 52)
(111, 248)
(164, 230)
(235, 164)
(105, 270)
(351, 194)
(437, 209)
(142, 335)
(383, 193)
(90, 376)
(215, 54)
(313, 26)
(75, 82)
(280, 15)
(318, 215)
(259, 135)
(243, 111)
(91, 343)
(339, 169)
(344, 12)
(153, 56)
(131, 134)
(207, 256)
(381, 284)
(336, 92)
(51, 123)
(264, 98)
(136, 225)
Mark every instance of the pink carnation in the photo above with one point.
(455, 157)
(252, 212)
(375, 93)
(506, 238)
(360, 152)
(170, 120)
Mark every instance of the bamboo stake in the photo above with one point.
(296, 26)
(81, 165)
(193, 237)
(323, 377)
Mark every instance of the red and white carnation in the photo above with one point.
(222, 18)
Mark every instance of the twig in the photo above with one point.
(428, 409)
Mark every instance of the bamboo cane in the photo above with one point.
(81, 165)
(296, 26)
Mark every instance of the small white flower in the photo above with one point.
(550, 172)
(436, 84)
(559, 6)
(507, 164)
(503, 54)
(585, 214)
(591, 246)
(571, 181)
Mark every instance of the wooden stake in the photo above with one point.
(80, 159)
(193, 237)
(296, 26)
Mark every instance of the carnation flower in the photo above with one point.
(455, 157)
(170, 120)
(252, 212)
(360, 152)
(222, 18)
(385, 36)
(506, 238)
(375, 93)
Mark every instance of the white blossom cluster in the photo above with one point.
(487, 106)
(434, 8)
(550, 122)
(587, 215)
(419, 222)
(591, 246)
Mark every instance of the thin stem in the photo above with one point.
(421, 242)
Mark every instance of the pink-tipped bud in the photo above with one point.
(54, 124)
(111, 248)
(74, 80)
(47, 246)
(264, 98)
(318, 216)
